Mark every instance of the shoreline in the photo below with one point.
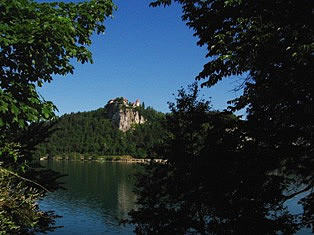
(104, 159)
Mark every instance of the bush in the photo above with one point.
(19, 211)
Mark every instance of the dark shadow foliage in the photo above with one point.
(215, 180)
(268, 159)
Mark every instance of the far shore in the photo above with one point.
(127, 159)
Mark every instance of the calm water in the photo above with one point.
(97, 196)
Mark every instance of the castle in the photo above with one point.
(123, 113)
(124, 101)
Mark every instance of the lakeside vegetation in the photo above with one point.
(89, 157)
(100, 158)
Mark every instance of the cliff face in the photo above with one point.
(124, 114)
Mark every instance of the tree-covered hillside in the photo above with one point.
(92, 133)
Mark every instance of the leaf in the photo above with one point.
(14, 109)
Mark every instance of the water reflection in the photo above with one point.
(97, 196)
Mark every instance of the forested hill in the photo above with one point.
(93, 133)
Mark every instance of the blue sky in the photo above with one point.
(146, 53)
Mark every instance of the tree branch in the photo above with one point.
(296, 193)
(25, 179)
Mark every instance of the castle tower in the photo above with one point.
(137, 103)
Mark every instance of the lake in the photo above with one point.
(98, 195)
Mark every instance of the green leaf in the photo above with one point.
(14, 109)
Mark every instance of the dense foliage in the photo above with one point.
(211, 183)
(19, 210)
(269, 45)
(37, 40)
(266, 160)
(92, 133)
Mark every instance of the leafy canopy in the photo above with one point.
(37, 41)
(271, 45)
(250, 36)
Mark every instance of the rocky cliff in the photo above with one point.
(124, 114)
